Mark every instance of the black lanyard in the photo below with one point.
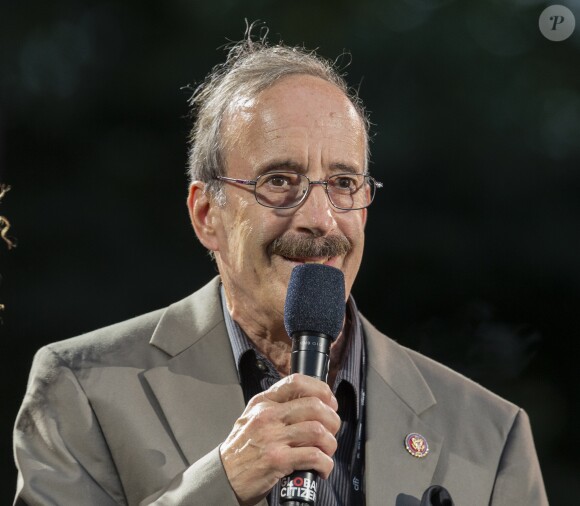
(357, 497)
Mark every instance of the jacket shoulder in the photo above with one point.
(144, 341)
(110, 345)
(447, 387)
(449, 384)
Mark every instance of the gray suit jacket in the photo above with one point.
(135, 413)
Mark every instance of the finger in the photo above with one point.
(310, 409)
(307, 459)
(296, 386)
(310, 434)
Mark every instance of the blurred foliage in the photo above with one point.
(4, 223)
(472, 246)
(4, 228)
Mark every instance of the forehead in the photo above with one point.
(300, 116)
(322, 98)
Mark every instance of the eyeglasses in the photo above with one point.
(284, 190)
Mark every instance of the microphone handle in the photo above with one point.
(310, 356)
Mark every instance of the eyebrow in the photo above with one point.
(281, 165)
(344, 167)
(289, 164)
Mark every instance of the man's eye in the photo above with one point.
(345, 183)
(278, 181)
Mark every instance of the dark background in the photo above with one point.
(472, 246)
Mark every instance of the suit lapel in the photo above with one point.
(198, 389)
(397, 395)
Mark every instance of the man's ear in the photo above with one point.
(203, 212)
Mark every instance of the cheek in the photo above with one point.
(353, 227)
(248, 233)
(354, 231)
(236, 237)
(239, 241)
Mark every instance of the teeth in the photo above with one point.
(319, 261)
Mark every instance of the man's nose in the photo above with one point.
(316, 212)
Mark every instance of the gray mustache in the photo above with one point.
(302, 247)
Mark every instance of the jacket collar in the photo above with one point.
(189, 320)
(197, 389)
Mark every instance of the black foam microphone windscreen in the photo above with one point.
(315, 300)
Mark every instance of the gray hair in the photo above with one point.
(251, 67)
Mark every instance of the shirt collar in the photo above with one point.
(350, 370)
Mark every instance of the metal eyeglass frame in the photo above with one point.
(254, 182)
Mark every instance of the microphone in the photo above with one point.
(436, 495)
(313, 317)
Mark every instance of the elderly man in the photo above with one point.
(194, 404)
